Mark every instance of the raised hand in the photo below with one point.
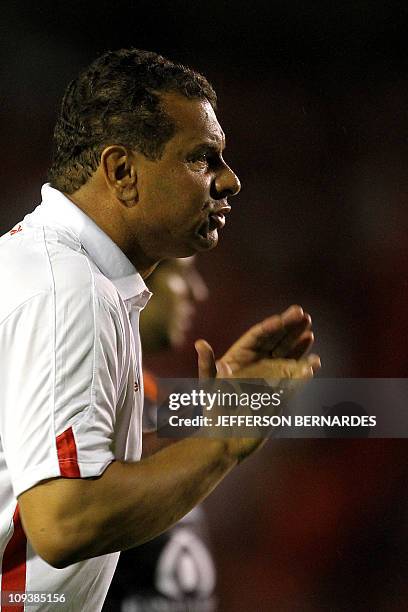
(285, 336)
(273, 350)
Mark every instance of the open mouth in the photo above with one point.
(217, 221)
(214, 221)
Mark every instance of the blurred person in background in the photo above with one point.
(177, 288)
(174, 572)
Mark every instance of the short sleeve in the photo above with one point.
(61, 363)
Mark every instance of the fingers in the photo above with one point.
(279, 369)
(284, 336)
(292, 315)
(277, 325)
(314, 362)
(296, 373)
(206, 359)
(268, 333)
(299, 347)
(307, 368)
(295, 333)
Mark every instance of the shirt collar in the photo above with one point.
(111, 261)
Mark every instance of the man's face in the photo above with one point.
(183, 196)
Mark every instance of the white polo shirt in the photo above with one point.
(71, 389)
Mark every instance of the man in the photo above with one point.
(138, 176)
(174, 571)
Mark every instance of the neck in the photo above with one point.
(104, 213)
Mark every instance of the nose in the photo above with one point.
(226, 183)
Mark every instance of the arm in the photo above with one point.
(68, 520)
(152, 443)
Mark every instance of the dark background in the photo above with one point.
(313, 98)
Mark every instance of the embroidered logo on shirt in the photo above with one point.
(15, 230)
(136, 387)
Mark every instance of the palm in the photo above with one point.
(285, 336)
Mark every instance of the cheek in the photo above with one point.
(180, 197)
(194, 193)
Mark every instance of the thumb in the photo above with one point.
(206, 360)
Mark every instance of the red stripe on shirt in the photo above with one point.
(14, 564)
(67, 454)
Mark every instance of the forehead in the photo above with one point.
(195, 119)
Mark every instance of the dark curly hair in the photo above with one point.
(116, 100)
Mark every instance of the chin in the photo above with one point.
(207, 242)
(195, 243)
(185, 249)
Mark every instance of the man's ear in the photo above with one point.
(119, 169)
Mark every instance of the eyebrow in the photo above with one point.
(209, 145)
